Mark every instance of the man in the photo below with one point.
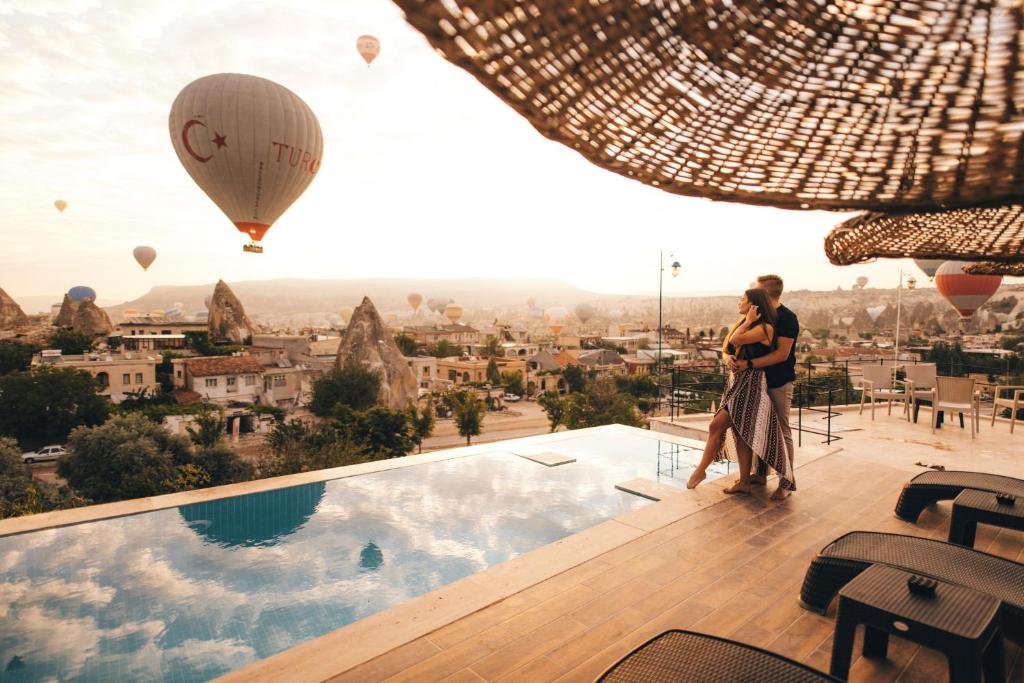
(779, 370)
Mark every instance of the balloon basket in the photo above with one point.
(253, 248)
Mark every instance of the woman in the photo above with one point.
(746, 425)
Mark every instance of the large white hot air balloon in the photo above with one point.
(145, 256)
(252, 145)
(453, 312)
(967, 293)
(928, 265)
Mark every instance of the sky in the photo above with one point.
(425, 173)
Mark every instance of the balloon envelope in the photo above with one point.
(415, 300)
(130, 312)
(929, 265)
(531, 302)
(368, 47)
(252, 145)
(875, 311)
(345, 313)
(584, 312)
(145, 256)
(61, 205)
(453, 312)
(967, 293)
(80, 293)
(862, 282)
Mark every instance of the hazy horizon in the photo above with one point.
(425, 173)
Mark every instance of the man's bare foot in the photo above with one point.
(758, 479)
(697, 477)
(738, 487)
(780, 493)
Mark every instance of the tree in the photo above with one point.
(554, 408)
(295, 446)
(128, 457)
(638, 386)
(491, 346)
(221, 465)
(444, 349)
(469, 414)
(70, 343)
(207, 428)
(199, 341)
(381, 432)
(493, 376)
(575, 377)
(406, 344)
(513, 382)
(353, 385)
(15, 356)
(20, 494)
(600, 403)
(422, 422)
(43, 406)
(165, 370)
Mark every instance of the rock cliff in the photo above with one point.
(91, 319)
(227, 320)
(367, 340)
(11, 315)
(66, 316)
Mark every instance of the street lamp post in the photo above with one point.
(661, 278)
(911, 284)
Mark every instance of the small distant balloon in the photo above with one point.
(368, 47)
(61, 205)
(453, 312)
(415, 300)
(157, 313)
(556, 318)
(144, 256)
(80, 293)
(130, 312)
(875, 311)
(345, 313)
(531, 302)
(862, 282)
(584, 312)
(207, 300)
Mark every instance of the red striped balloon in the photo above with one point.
(967, 293)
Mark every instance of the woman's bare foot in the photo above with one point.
(738, 487)
(758, 479)
(780, 493)
(697, 477)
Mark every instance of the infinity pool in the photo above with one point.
(189, 593)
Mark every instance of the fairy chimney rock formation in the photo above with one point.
(66, 315)
(227, 320)
(91, 319)
(367, 340)
(11, 315)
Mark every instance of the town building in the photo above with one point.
(458, 334)
(146, 333)
(222, 379)
(119, 374)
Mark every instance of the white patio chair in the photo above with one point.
(877, 385)
(955, 395)
(920, 382)
(1014, 402)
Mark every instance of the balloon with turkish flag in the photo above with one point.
(368, 47)
(967, 293)
(251, 145)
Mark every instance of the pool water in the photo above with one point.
(189, 593)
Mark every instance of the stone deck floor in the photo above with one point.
(732, 569)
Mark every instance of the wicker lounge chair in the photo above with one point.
(688, 656)
(847, 556)
(929, 487)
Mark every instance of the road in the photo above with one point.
(521, 419)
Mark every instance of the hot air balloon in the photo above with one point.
(61, 205)
(157, 313)
(453, 312)
(875, 311)
(556, 318)
(80, 293)
(345, 313)
(173, 312)
(369, 48)
(130, 312)
(252, 145)
(531, 302)
(145, 256)
(967, 293)
(207, 300)
(584, 312)
(929, 265)
(862, 282)
(415, 300)
(536, 312)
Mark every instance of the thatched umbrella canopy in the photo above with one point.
(888, 105)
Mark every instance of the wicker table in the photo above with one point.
(677, 656)
(972, 507)
(959, 622)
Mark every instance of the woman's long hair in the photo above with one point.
(767, 315)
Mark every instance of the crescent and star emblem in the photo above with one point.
(218, 139)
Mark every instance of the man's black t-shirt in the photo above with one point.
(783, 373)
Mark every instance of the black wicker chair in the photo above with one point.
(687, 656)
(847, 556)
(929, 487)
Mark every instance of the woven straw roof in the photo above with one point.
(885, 105)
(990, 234)
(993, 268)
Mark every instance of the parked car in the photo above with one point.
(43, 454)
(511, 398)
